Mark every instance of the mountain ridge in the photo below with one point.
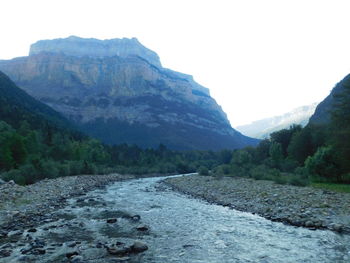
(262, 128)
(129, 91)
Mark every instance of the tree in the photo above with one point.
(18, 150)
(284, 136)
(300, 146)
(276, 153)
(323, 164)
(340, 125)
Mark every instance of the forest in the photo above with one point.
(37, 142)
(300, 156)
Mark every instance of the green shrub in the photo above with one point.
(75, 167)
(323, 164)
(203, 170)
(15, 175)
(49, 169)
(282, 179)
(298, 180)
(64, 169)
(261, 172)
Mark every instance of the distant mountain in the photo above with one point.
(323, 110)
(117, 90)
(262, 128)
(16, 106)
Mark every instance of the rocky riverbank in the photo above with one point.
(298, 206)
(37, 223)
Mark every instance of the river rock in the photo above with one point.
(309, 223)
(5, 253)
(71, 254)
(111, 220)
(71, 244)
(138, 247)
(77, 259)
(142, 228)
(136, 217)
(337, 227)
(119, 250)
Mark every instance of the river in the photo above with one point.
(183, 229)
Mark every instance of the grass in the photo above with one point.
(341, 188)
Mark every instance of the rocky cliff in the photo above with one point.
(116, 90)
(80, 47)
(262, 128)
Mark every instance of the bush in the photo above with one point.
(49, 169)
(282, 179)
(64, 169)
(298, 180)
(218, 172)
(14, 175)
(289, 165)
(75, 167)
(203, 170)
(261, 172)
(322, 164)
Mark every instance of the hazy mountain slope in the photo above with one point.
(123, 98)
(323, 110)
(16, 106)
(262, 128)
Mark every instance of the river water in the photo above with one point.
(181, 229)
(189, 230)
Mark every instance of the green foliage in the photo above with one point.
(262, 172)
(301, 146)
(340, 126)
(323, 164)
(341, 188)
(283, 137)
(203, 170)
(241, 157)
(276, 153)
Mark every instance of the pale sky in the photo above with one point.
(258, 58)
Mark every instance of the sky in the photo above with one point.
(258, 58)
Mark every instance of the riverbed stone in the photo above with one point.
(142, 228)
(138, 247)
(111, 220)
(5, 253)
(119, 250)
(299, 206)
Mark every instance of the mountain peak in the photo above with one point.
(92, 47)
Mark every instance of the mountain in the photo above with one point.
(16, 106)
(262, 128)
(322, 113)
(117, 90)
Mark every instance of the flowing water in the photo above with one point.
(183, 229)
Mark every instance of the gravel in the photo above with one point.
(298, 206)
(27, 206)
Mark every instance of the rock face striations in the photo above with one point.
(117, 90)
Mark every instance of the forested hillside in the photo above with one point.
(36, 142)
(320, 152)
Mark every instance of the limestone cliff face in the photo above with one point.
(80, 47)
(126, 97)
